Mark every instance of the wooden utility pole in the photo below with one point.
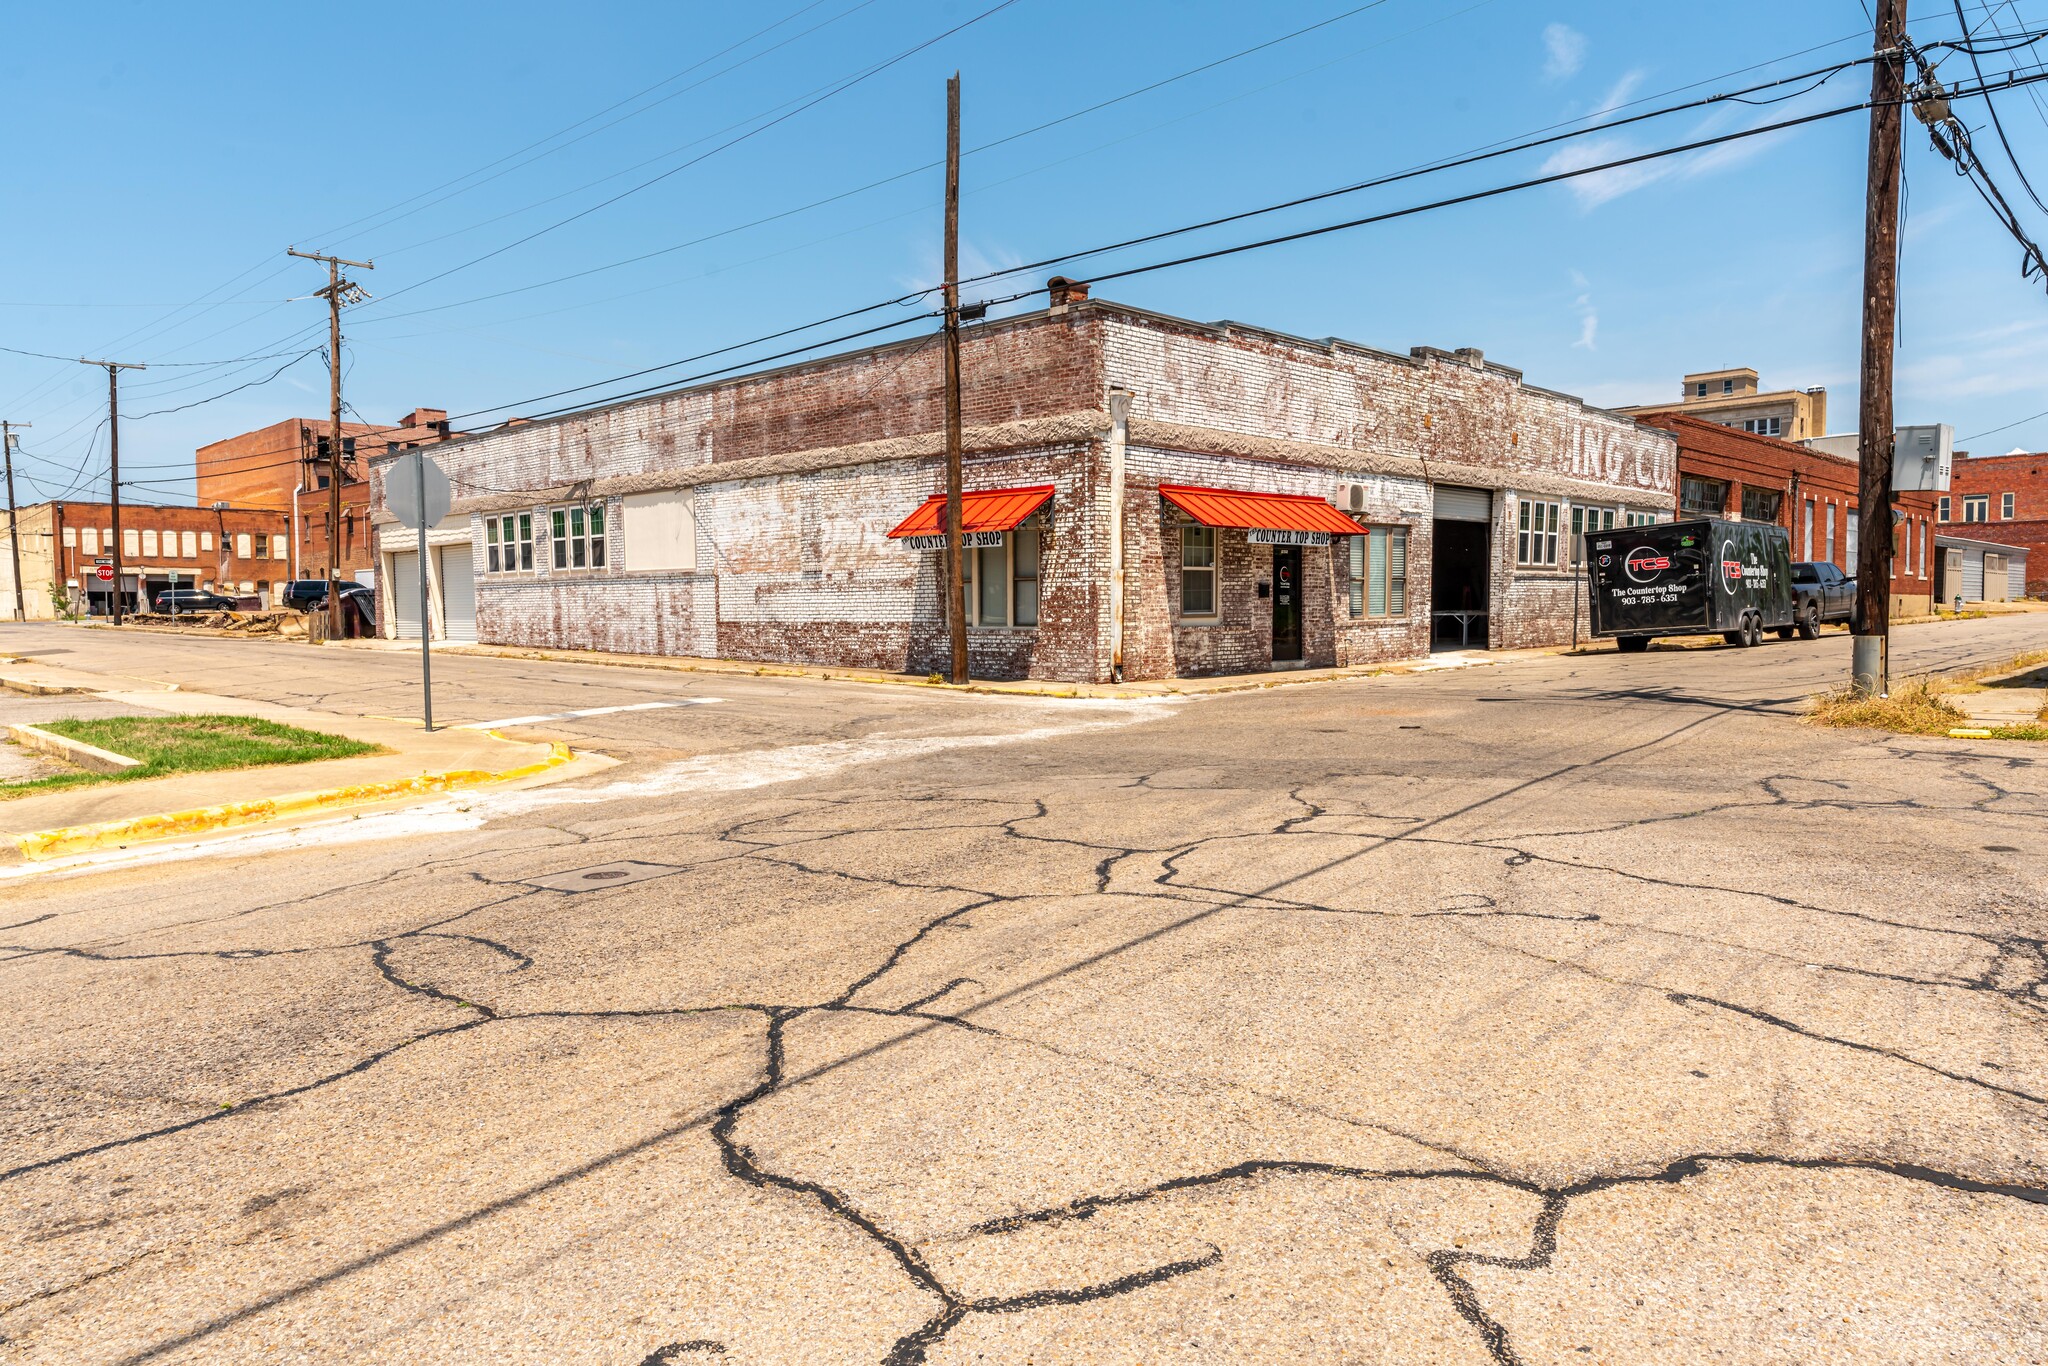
(1869, 668)
(956, 610)
(13, 533)
(337, 289)
(114, 369)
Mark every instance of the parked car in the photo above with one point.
(301, 594)
(1824, 594)
(192, 600)
(1707, 577)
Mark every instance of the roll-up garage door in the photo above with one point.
(405, 594)
(458, 594)
(1463, 505)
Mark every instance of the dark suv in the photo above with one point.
(1821, 593)
(302, 594)
(192, 600)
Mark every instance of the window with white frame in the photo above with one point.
(1849, 534)
(1379, 572)
(2005, 506)
(89, 540)
(206, 540)
(1941, 509)
(1198, 572)
(1977, 507)
(242, 549)
(131, 541)
(1639, 519)
(1831, 532)
(188, 545)
(70, 538)
(1806, 534)
(508, 542)
(1764, 426)
(999, 583)
(578, 536)
(280, 547)
(1536, 533)
(1585, 519)
(149, 543)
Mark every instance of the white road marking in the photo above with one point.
(587, 711)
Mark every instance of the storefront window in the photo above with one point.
(1586, 519)
(508, 542)
(999, 583)
(1197, 571)
(1702, 497)
(1761, 505)
(579, 537)
(1379, 573)
(1536, 539)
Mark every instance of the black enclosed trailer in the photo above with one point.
(1731, 579)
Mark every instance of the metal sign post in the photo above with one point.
(417, 492)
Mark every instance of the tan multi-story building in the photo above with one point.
(1732, 398)
(237, 553)
(284, 468)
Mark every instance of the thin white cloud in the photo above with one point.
(1564, 51)
(1623, 90)
(1589, 316)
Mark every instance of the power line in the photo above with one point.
(839, 89)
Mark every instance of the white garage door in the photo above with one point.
(405, 594)
(1455, 504)
(458, 594)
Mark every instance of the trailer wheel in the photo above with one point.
(1756, 628)
(1747, 633)
(1631, 645)
(1809, 622)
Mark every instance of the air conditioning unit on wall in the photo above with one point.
(1350, 496)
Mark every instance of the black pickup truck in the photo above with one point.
(1822, 593)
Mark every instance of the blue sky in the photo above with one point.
(159, 164)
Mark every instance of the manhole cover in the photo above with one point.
(602, 875)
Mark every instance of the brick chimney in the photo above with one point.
(1065, 292)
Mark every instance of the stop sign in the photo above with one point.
(105, 573)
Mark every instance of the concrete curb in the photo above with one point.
(79, 839)
(91, 758)
(34, 689)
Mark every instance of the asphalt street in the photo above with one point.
(1572, 1009)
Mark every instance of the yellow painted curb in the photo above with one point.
(79, 839)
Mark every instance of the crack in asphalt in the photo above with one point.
(2018, 970)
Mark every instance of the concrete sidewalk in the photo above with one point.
(414, 764)
(1025, 687)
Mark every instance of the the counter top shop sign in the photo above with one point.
(1265, 518)
(985, 516)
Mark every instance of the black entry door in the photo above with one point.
(1286, 602)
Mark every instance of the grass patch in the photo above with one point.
(1920, 706)
(187, 744)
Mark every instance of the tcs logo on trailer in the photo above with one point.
(1644, 563)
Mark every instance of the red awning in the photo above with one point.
(987, 510)
(1259, 511)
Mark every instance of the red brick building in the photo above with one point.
(1726, 472)
(284, 469)
(1149, 497)
(235, 552)
(2004, 498)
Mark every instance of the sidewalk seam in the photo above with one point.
(75, 839)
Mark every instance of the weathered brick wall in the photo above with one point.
(2024, 476)
(1430, 404)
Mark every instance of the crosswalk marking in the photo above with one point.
(587, 711)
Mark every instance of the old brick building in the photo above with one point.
(1726, 472)
(235, 552)
(2004, 498)
(284, 468)
(775, 516)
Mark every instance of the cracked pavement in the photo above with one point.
(1573, 1010)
